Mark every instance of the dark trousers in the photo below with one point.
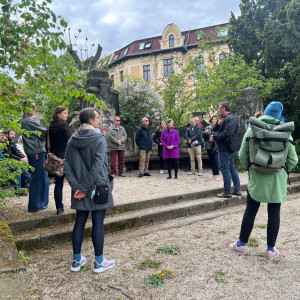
(39, 183)
(249, 217)
(97, 230)
(213, 161)
(161, 163)
(58, 191)
(172, 163)
(113, 156)
(22, 179)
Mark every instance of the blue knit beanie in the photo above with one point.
(274, 109)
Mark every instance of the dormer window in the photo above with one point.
(222, 32)
(148, 45)
(117, 56)
(171, 40)
(142, 45)
(126, 50)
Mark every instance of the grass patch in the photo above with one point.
(252, 242)
(220, 277)
(222, 232)
(148, 263)
(158, 279)
(171, 250)
(262, 226)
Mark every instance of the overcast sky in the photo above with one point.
(115, 23)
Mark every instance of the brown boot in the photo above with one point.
(223, 195)
(237, 193)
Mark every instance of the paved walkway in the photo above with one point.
(126, 190)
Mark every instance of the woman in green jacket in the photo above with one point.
(268, 188)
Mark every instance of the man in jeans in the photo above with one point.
(144, 142)
(223, 132)
(194, 138)
(117, 137)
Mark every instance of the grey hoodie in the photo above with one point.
(85, 165)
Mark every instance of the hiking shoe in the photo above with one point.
(169, 177)
(217, 177)
(223, 195)
(147, 174)
(141, 175)
(237, 193)
(199, 174)
(122, 175)
(191, 173)
(272, 254)
(161, 172)
(236, 248)
(76, 265)
(104, 266)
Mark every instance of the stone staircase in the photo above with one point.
(45, 232)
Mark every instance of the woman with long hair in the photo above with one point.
(170, 141)
(59, 134)
(162, 126)
(85, 166)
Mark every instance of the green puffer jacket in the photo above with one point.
(267, 188)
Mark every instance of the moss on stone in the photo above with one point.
(5, 233)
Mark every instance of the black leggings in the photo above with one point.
(97, 230)
(161, 163)
(172, 162)
(249, 217)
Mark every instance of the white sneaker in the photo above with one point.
(75, 267)
(191, 173)
(217, 177)
(199, 174)
(104, 266)
(161, 172)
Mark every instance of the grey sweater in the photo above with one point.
(85, 165)
(33, 144)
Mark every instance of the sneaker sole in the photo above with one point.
(78, 268)
(103, 269)
(234, 250)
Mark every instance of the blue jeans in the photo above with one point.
(22, 179)
(39, 183)
(227, 167)
(97, 230)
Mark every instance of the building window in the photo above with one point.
(112, 79)
(171, 40)
(222, 56)
(117, 56)
(222, 32)
(142, 45)
(201, 65)
(168, 67)
(148, 45)
(126, 50)
(121, 76)
(146, 72)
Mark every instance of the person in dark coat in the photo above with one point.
(162, 126)
(59, 134)
(143, 140)
(35, 149)
(85, 167)
(170, 141)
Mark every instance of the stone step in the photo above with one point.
(62, 233)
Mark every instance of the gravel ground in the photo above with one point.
(206, 268)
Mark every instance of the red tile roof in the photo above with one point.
(190, 40)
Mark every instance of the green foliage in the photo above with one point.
(24, 258)
(148, 263)
(252, 242)
(172, 250)
(261, 226)
(138, 99)
(158, 278)
(267, 32)
(241, 169)
(220, 277)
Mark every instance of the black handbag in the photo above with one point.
(101, 194)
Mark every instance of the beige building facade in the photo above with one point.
(154, 58)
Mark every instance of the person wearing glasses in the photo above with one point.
(117, 137)
(143, 140)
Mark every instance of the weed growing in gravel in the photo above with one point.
(297, 212)
(148, 263)
(159, 278)
(220, 277)
(24, 258)
(84, 269)
(252, 242)
(261, 226)
(222, 232)
(172, 250)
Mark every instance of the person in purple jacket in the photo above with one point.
(170, 141)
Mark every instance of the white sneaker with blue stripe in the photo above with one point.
(75, 267)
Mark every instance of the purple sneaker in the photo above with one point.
(272, 254)
(236, 248)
